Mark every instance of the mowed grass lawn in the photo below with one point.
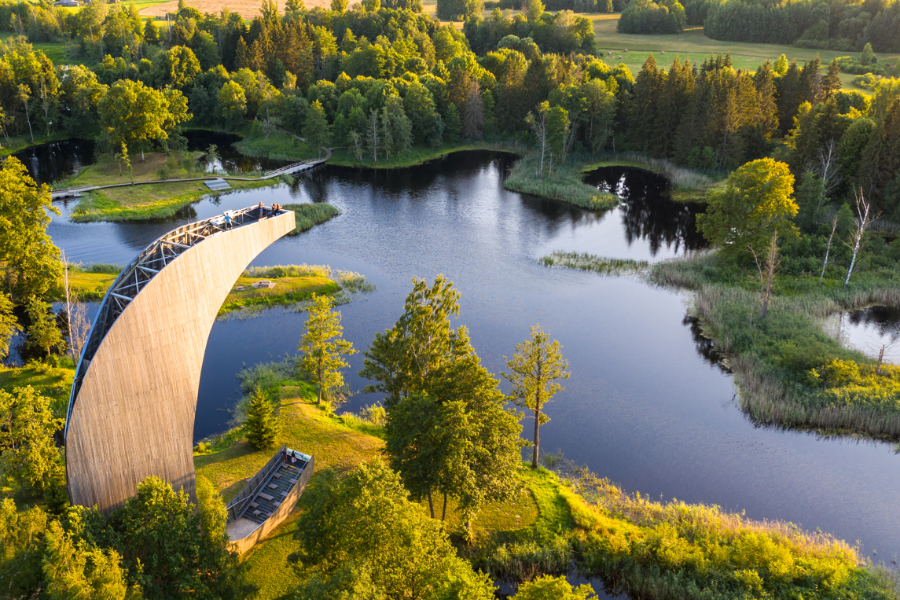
(342, 443)
(694, 45)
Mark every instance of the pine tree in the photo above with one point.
(473, 113)
(868, 56)
(644, 104)
(373, 135)
(323, 346)
(261, 426)
(316, 128)
(832, 83)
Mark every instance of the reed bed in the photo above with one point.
(564, 184)
(680, 178)
(596, 264)
(309, 215)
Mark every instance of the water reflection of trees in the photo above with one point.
(648, 213)
(884, 319)
(54, 161)
(706, 348)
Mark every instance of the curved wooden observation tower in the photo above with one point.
(134, 398)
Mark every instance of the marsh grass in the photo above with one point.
(773, 360)
(590, 262)
(565, 184)
(309, 215)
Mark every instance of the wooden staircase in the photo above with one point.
(269, 496)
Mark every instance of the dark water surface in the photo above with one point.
(51, 162)
(646, 404)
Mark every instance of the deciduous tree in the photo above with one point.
(30, 259)
(748, 214)
(323, 346)
(136, 115)
(533, 372)
(363, 538)
(27, 429)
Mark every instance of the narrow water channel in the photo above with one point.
(646, 405)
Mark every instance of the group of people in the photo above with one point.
(261, 213)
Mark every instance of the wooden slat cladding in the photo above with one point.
(134, 416)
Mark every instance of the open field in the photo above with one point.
(694, 45)
(246, 8)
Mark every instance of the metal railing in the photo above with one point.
(138, 273)
(239, 503)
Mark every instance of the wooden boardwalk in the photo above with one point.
(134, 398)
(292, 169)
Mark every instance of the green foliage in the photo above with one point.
(31, 260)
(407, 358)
(166, 551)
(75, 571)
(563, 184)
(316, 129)
(868, 56)
(645, 16)
(21, 549)
(9, 325)
(323, 347)
(136, 115)
(533, 371)
(361, 537)
(596, 264)
(27, 430)
(261, 426)
(553, 588)
(755, 203)
(44, 336)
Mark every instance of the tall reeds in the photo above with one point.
(590, 262)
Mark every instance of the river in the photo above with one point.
(646, 406)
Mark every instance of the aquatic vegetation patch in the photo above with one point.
(309, 215)
(591, 262)
(563, 183)
(785, 365)
(291, 286)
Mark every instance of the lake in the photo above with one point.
(647, 405)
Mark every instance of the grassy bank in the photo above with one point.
(790, 372)
(568, 517)
(686, 185)
(143, 202)
(564, 184)
(279, 146)
(294, 285)
(52, 382)
(21, 142)
(418, 155)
